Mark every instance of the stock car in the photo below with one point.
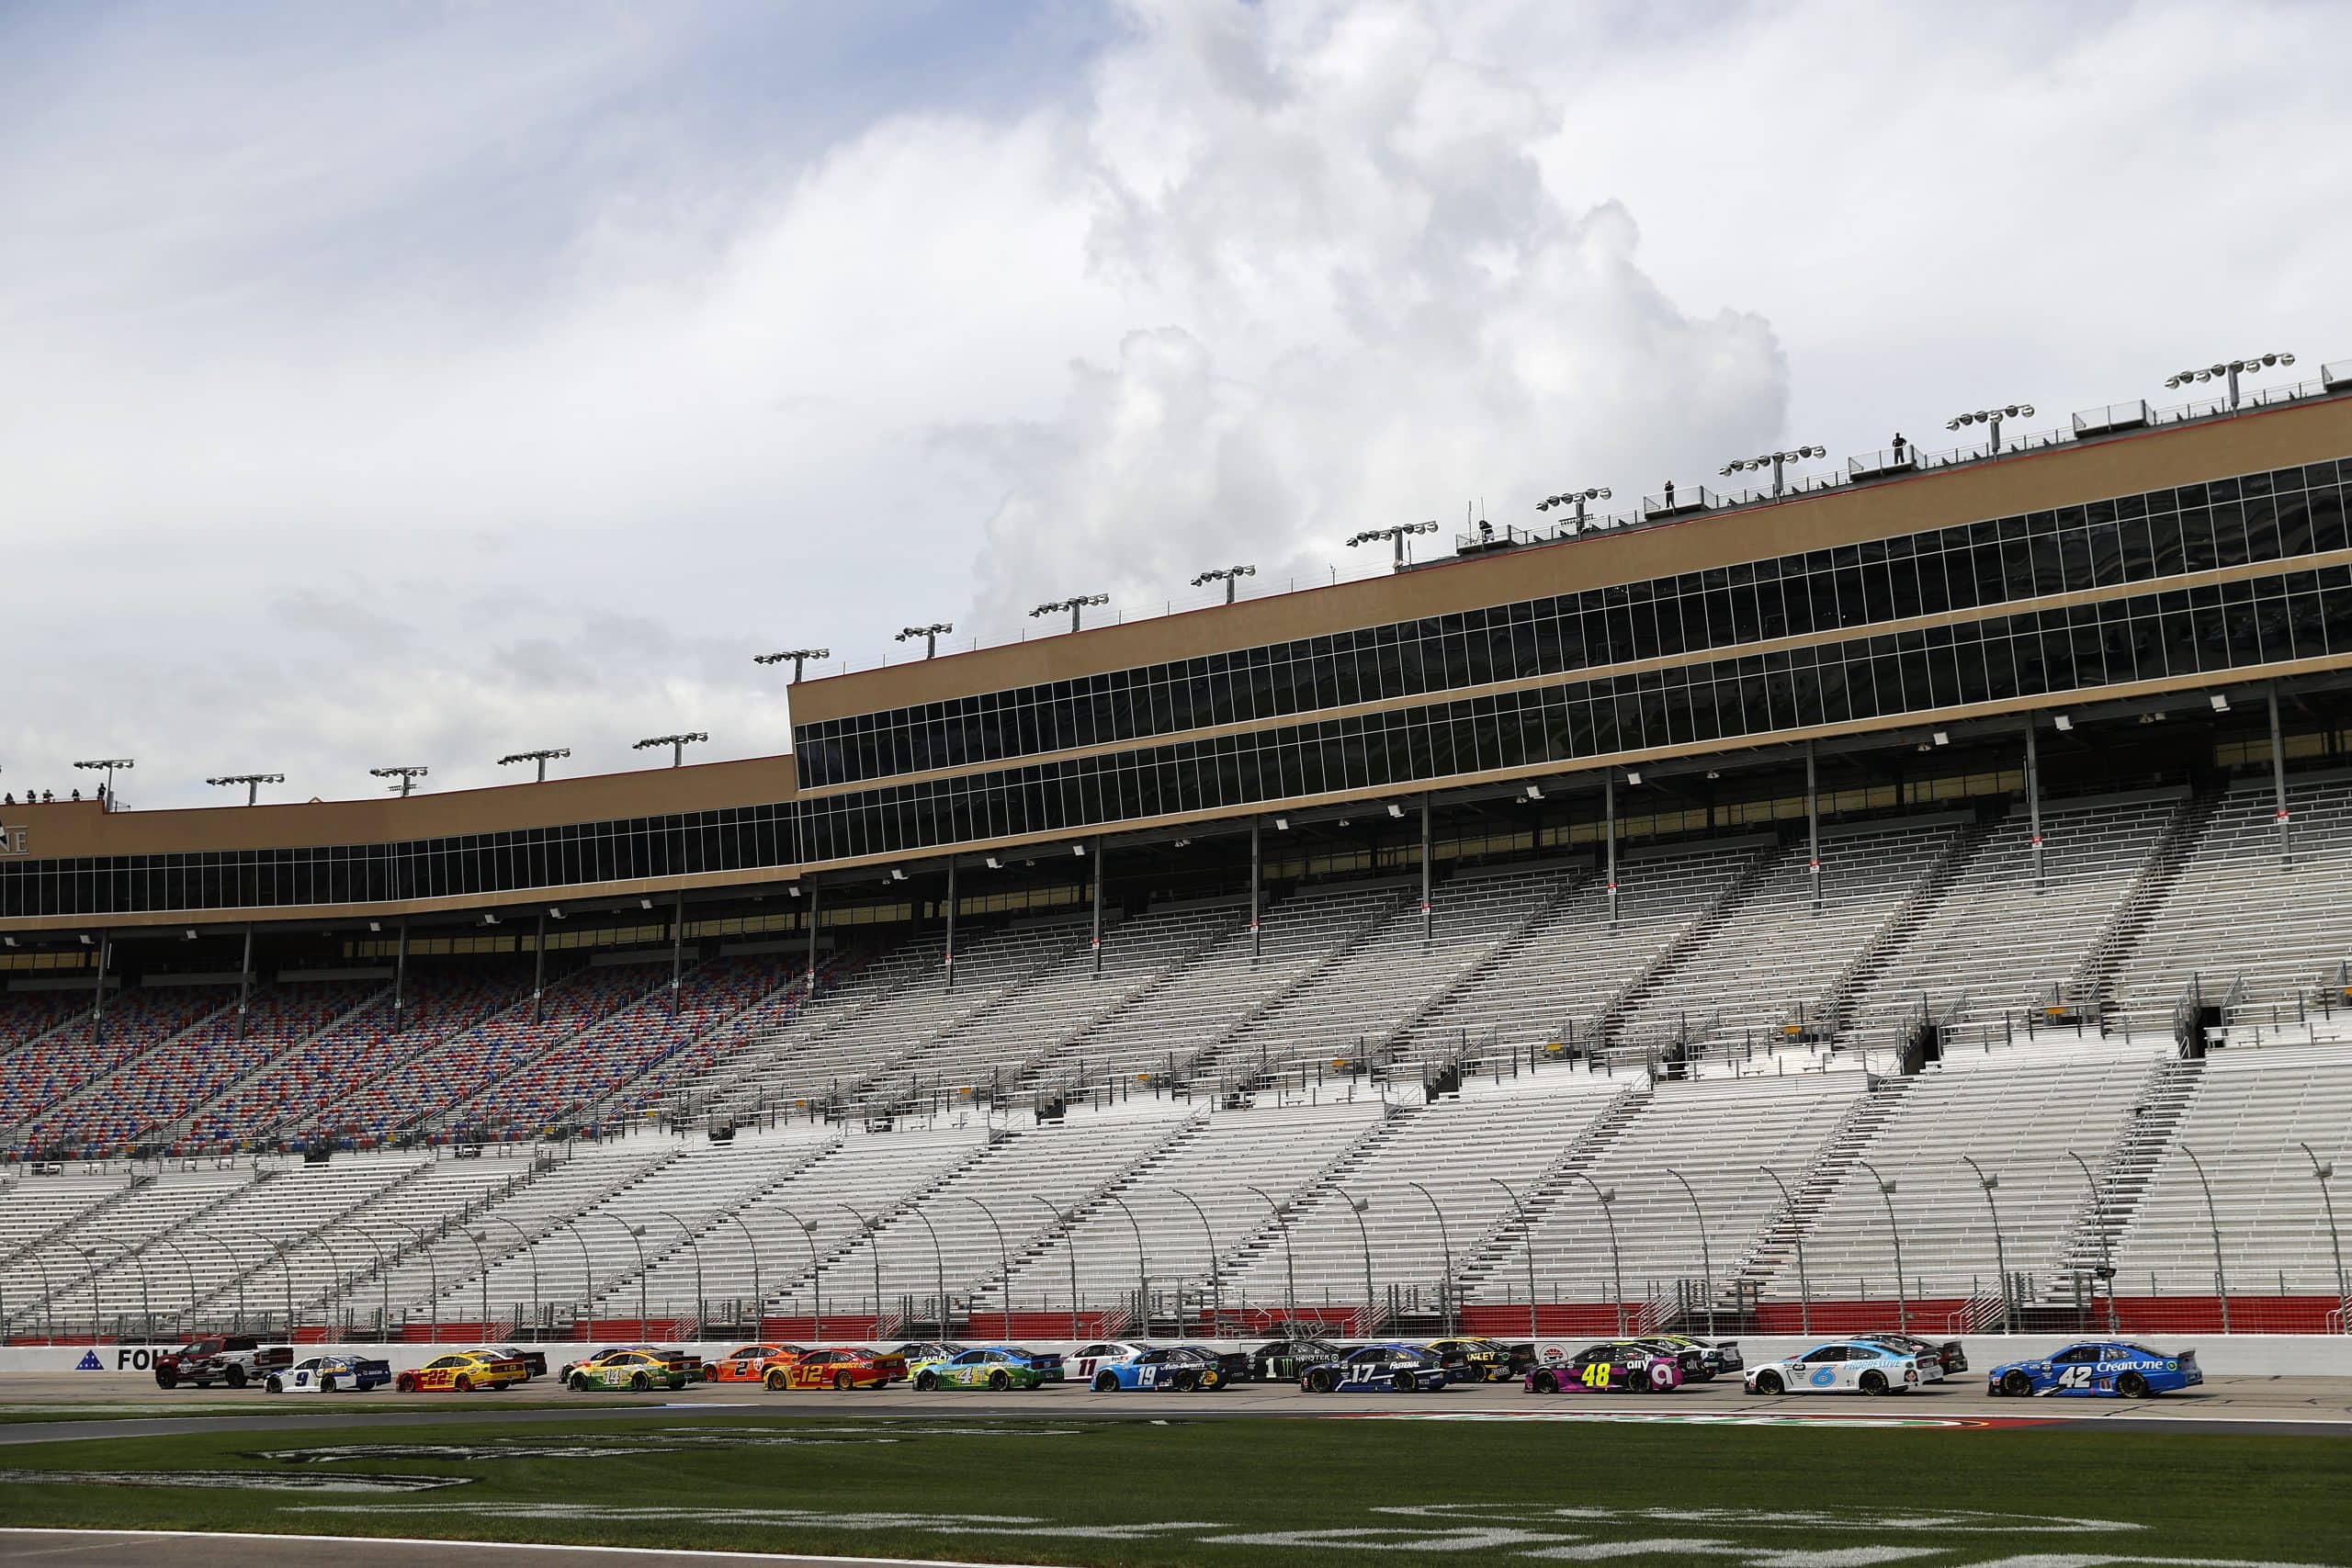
(1281, 1360)
(1177, 1369)
(754, 1363)
(1712, 1359)
(1847, 1366)
(847, 1367)
(2110, 1368)
(1093, 1358)
(993, 1367)
(635, 1369)
(915, 1352)
(461, 1371)
(1483, 1360)
(534, 1362)
(1377, 1368)
(1621, 1367)
(330, 1374)
(1947, 1353)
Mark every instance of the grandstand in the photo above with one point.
(1921, 894)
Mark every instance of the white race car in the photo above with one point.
(331, 1374)
(1091, 1359)
(1847, 1366)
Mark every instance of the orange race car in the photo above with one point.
(844, 1369)
(752, 1363)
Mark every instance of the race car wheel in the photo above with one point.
(236, 1377)
(274, 1386)
(1105, 1383)
(776, 1380)
(925, 1383)
(166, 1377)
(1318, 1381)
(1546, 1382)
(464, 1384)
(1770, 1382)
(326, 1384)
(999, 1382)
(2131, 1385)
(2016, 1384)
(1401, 1382)
(1874, 1382)
(406, 1383)
(842, 1382)
(640, 1383)
(579, 1384)
(1639, 1380)
(1187, 1382)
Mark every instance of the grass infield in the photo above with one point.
(1241, 1492)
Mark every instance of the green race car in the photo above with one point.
(637, 1370)
(993, 1367)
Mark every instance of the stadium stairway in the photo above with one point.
(747, 1083)
(2093, 980)
(651, 1088)
(1494, 1262)
(864, 1178)
(1759, 1271)
(1414, 1047)
(52, 1277)
(1871, 965)
(1606, 1023)
(2124, 1170)
(450, 1193)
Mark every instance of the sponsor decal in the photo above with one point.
(89, 1362)
(235, 1480)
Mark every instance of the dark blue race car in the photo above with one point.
(1378, 1369)
(2114, 1369)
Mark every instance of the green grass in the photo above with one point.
(740, 1484)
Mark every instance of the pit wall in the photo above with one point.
(2241, 1355)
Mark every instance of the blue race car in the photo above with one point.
(1167, 1369)
(1378, 1369)
(2114, 1369)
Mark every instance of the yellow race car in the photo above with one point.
(462, 1372)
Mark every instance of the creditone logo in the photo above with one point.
(12, 841)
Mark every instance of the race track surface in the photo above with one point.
(140, 1549)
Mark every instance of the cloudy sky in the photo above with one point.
(417, 382)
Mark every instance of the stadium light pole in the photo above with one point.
(1290, 1268)
(1445, 1286)
(108, 766)
(587, 1268)
(1527, 1227)
(49, 1296)
(1395, 535)
(677, 744)
(874, 1247)
(1356, 1206)
(1774, 461)
(1895, 1234)
(407, 773)
(383, 1288)
(1003, 1264)
(2229, 370)
(694, 1247)
(2213, 1223)
(482, 1272)
(1067, 1219)
(236, 1270)
(930, 635)
(97, 1313)
(938, 1263)
(1991, 419)
(186, 1314)
(1229, 575)
(799, 657)
(2321, 1174)
(2098, 1221)
(1576, 498)
(146, 1306)
(758, 1297)
(530, 1256)
(432, 1273)
(1217, 1291)
(816, 1268)
(1075, 605)
(1706, 1258)
(637, 1239)
(542, 757)
(252, 782)
(1607, 1196)
(1985, 1184)
(1143, 1268)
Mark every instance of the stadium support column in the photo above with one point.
(400, 977)
(1098, 909)
(1813, 823)
(2279, 778)
(1257, 869)
(950, 965)
(1429, 914)
(812, 937)
(246, 981)
(677, 951)
(1609, 833)
(2033, 797)
(98, 995)
(540, 967)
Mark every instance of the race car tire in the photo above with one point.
(406, 1383)
(1770, 1382)
(274, 1386)
(1638, 1381)
(326, 1382)
(1105, 1383)
(463, 1383)
(842, 1382)
(167, 1377)
(1319, 1382)
(579, 1384)
(999, 1382)
(1187, 1382)
(2131, 1385)
(236, 1377)
(1872, 1383)
(925, 1383)
(776, 1380)
(2016, 1384)
(640, 1383)
(1546, 1382)
(1403, 1382)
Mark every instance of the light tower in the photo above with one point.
(408, 774)
(542, 757)
(677, 744)
(1073, 605)
(930, 635)
(799, 656)
(252, 782)
(108, 765)
(1992, 419)
(1774, 460)
(1229, 575)
(1576, 498)
(1396, 535)
(2250, 366)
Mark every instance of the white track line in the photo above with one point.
(449, 1542)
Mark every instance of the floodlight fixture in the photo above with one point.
(677, 743)
(107, 765)
(2253, 364)
(1074, 605)
(2061, 723)
(799, 657)
(1395, 810)
(930, 635)
(1991, 419)
(1774, 461)
(252, 782)
(1229, 575)
(1632, 775)
(1576, 498)
(1395, 535)
(2221, 701)
(542, 757)
(408, 774)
